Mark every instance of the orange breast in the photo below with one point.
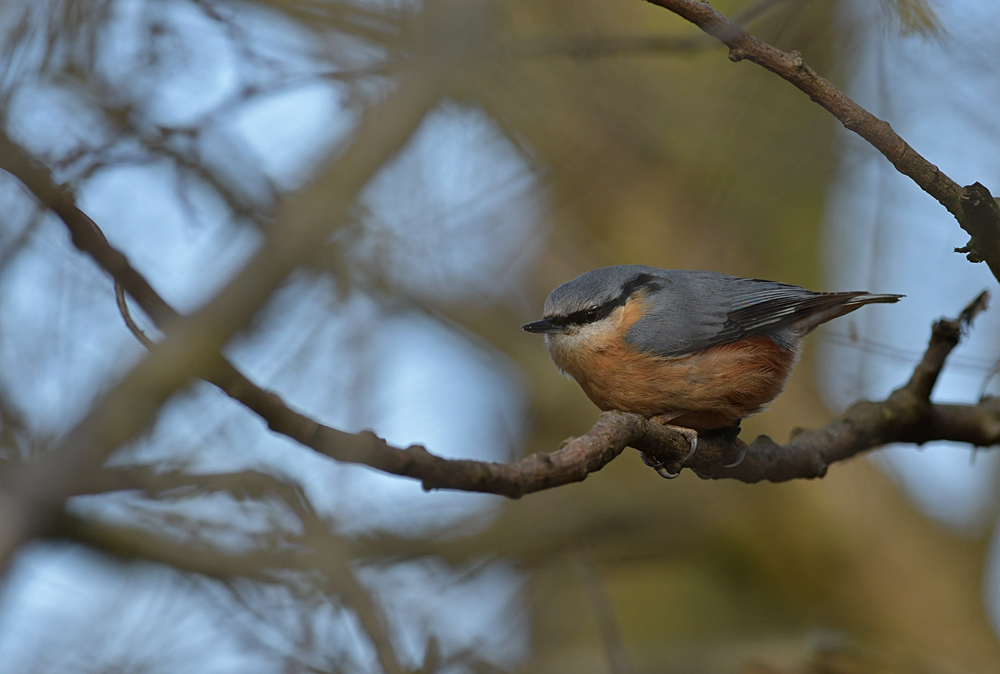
(709, 389)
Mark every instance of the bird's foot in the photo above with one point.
(689, 433)
(660, 466)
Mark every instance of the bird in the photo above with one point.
(697, 351)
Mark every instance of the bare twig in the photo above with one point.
(973, 206)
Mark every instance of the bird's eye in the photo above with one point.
(591, 315)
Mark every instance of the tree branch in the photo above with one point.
(973, 206)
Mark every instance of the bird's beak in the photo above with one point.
(544, 326)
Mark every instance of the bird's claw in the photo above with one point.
(666, 474)
(743, 455)
(658, 466)
(694, 447)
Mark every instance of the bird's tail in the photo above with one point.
(840, 304)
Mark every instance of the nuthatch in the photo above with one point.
(698, 349)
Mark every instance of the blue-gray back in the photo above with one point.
(688, 311)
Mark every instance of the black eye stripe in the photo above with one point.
(594, 314)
